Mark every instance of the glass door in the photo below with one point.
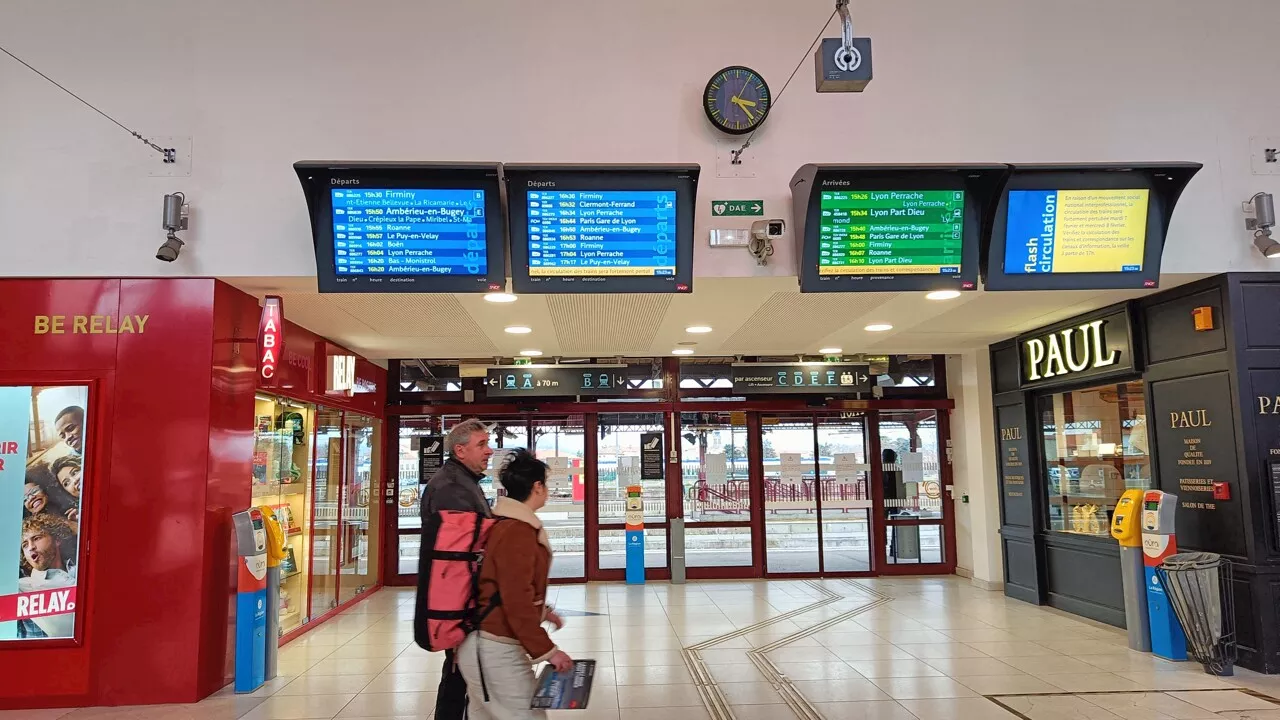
(715, 460)
(560, 442)
(846, 500)
(324, 534)
(792, 535)
(621, 441)
(911, 474)
(406, 502)
(359, 510)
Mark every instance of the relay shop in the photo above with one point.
(1176, 392)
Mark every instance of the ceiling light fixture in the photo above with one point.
(878, 327)
(831, 351)
(698, 329)
(943, 295)
(499, 297)
(518, 329)
(682, 351)
(531, 353)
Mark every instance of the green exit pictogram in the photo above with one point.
(725, 208)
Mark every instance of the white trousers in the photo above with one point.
(508, 675)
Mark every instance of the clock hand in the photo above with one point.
(743, 104)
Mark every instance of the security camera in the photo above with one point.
(763, 233)
(176, 217)
(1263, 210)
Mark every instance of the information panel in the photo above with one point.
(891, 232)
(556, 381)
(379, 231)
(1076, 231)
(601, 232)
(829, 378)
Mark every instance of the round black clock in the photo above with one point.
(737, 100)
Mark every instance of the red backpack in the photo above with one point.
(448, 604)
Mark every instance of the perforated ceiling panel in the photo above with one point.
(791, 322)
(432, 321)
(606, 324)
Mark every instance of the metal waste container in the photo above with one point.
(1199, 588)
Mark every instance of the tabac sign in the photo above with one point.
(1076, 350)
(270, 340)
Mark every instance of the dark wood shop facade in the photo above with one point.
(1179, 391)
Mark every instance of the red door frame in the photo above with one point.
(675, 500)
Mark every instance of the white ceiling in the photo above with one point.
(749, 316)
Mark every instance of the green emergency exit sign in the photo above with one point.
(729, 208)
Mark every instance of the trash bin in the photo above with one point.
(1200, 590)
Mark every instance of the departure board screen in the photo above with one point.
(601, 233)
(1076, 231)
(411, 231)
(891, 232)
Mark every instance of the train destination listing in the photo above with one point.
(409, 232)
(1076, 231)
(602, 232)
(891, 232)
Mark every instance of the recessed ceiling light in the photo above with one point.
(878, 327)
(682, 351)
(943, 295)
(531, 353)
(698, 329)
(500, 297)
(830, 351)
(518, 329)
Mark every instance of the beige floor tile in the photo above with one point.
(871, 710)
(403, 682)
(652, 675)
(1052, 664)
(1057, 707)
(974, 666)
(1020, 648)
(957, 709)
(300, 707)
(970, 635)
(1006, 684)
(365, 652)
(821, 691)
(686, 713)
(640, 657)
(1091, 682)
(841, 639)
(735, 672)
(370, 705)
(1149, 706)
(762, 711)
(893, 668)
(789, 654)
(922, 688)
(722, 656)
(1176, 681)
(650, 696)
(750, 693)
(931, 651)
(418, 664)
(1224, 700)
(326, 684)
(590, 713)
(829, 671)
(360, 666)
(854, 653)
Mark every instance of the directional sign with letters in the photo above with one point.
(556, 381)
(727, 208)
(818, 378)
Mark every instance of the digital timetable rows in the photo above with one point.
(601, 232)
(409, 232)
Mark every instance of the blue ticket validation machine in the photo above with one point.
(635, 535)
(251, 600)
(1159, 542)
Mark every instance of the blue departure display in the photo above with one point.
(584, 233)
(411, 231)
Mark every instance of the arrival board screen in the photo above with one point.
(409, 232)
(1075, 231)
(891, 232)
(602, 233)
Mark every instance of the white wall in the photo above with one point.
(259, 85)
(974, 467)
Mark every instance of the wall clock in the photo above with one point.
(737, 100)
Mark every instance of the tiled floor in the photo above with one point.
(885, 649)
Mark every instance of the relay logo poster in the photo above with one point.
(1075, 231)
(42, 446)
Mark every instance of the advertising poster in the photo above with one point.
(42, 443)
(651, 458)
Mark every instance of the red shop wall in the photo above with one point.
(170, 450)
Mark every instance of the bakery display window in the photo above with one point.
(1095, 448)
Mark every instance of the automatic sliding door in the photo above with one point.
(791, 532)
(717, 490)
(846, 494)
(619, 444)
(560, 442)
(915, 532)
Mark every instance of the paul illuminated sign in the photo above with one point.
(270, 340)
(1090, 348)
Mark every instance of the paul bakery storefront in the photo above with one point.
(1173, 392)
(128, 424)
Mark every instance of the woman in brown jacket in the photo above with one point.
(499, 658)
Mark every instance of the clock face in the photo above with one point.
(737, 100)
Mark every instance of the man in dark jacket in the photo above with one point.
(456, 486)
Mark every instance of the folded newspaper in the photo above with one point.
(564, 691)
